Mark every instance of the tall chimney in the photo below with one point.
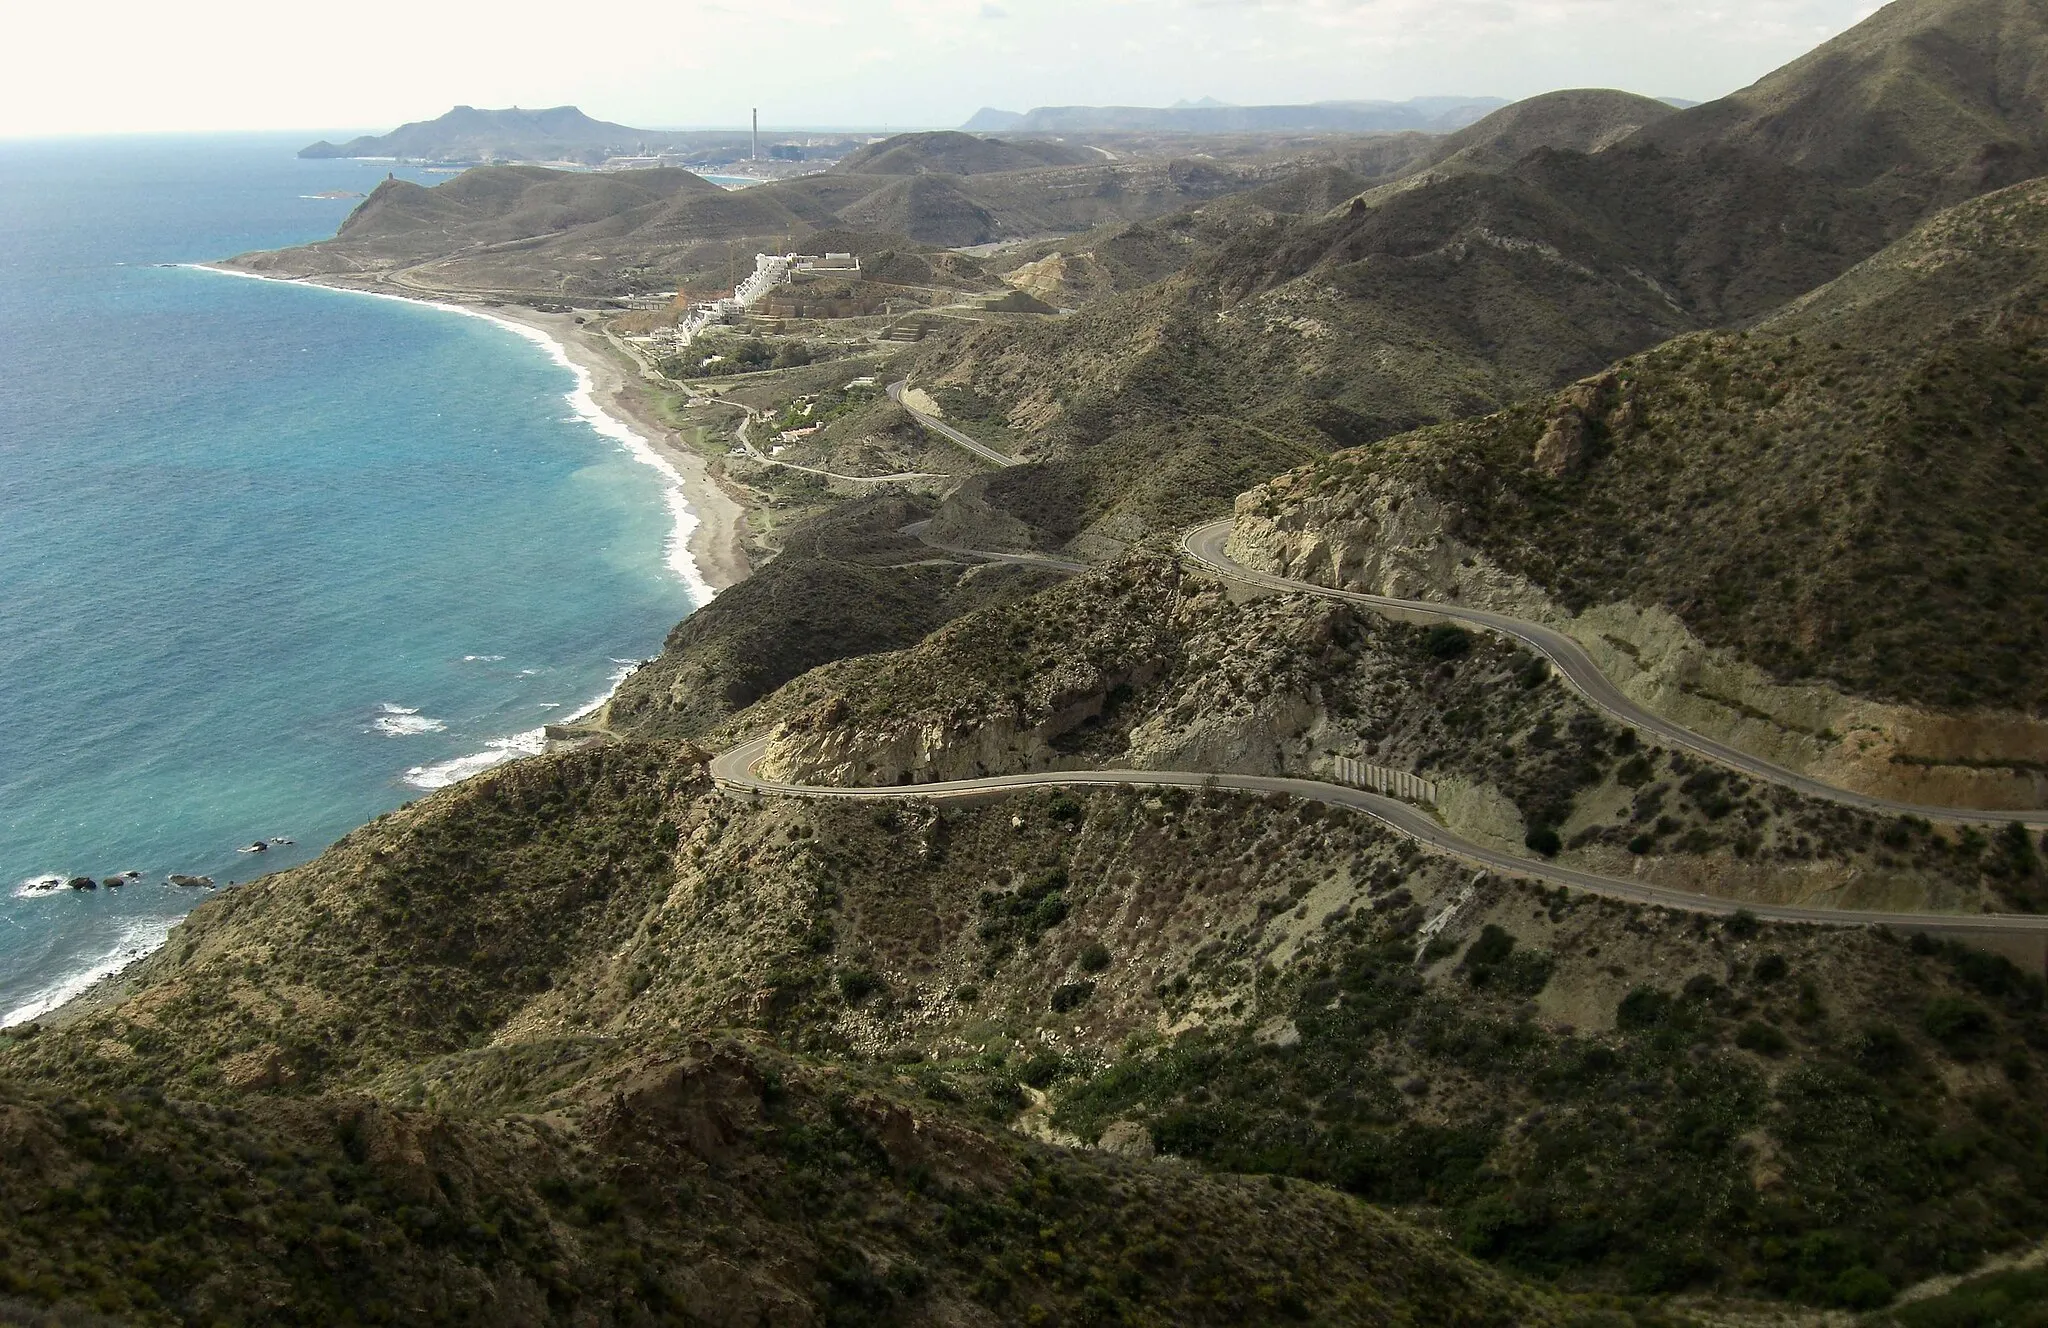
(756, 154)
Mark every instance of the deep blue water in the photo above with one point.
(272, 558)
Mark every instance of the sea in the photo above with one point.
(273, 558)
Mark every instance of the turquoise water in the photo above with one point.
(273, 559)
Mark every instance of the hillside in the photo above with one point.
(1844, 494)
(952, 153)
(1580, 120)
(844, 584)
(581, 1037)
(622, 231)
(1547, 241)
(467, 134)
(1925, 103)
(1430, 114)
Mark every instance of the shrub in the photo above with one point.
(857, 984)
(1545, 840)
(1094, 957)
(1494, 945)
(1771, 968)
(1645, 1007)
(1761, 1038)
(1963, 1028)
(1071, 996)
(1742, 925)
(1861, 1289)
(1445, 641)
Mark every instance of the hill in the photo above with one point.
(582, 1036)
(1524, 261)
(1843, 494)
(617, 232)
(1432, 114)
(1583, 120)
(466, 134)
(1925, 103)
(951, 153)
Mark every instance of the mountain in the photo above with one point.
(604, 233)
(466, 134)
(951, 153)
(989, 120)
(1584, 120)
(1925, 103)
(1434, 114)
(1844, 494)
(1552, 240)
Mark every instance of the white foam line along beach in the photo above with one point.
(582, 399)
(136, 941)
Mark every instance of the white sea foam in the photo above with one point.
(399, 721)
(37, 885)
(482, 659)
(495, 753)
(136, 940)
(582, 400)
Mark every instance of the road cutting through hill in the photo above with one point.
(2023, 935)
(1206, 547)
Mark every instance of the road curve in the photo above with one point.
(747, 421)
(1206, 546)
(944, 430)
(734, 772)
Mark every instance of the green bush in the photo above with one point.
(1445, 641)
(1071, 996)
(1761, 1038)
(1094, 957)
(1964, 1028)
(857, 984)
(1545, 840)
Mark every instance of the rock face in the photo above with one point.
(1385, 536)
(1580, 413)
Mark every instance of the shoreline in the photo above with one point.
(710, 551)
(705, 550)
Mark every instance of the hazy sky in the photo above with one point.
(72, 67)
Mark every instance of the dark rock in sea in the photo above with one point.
(206, 881)
(84, 883)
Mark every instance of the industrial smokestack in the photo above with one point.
(757, 135)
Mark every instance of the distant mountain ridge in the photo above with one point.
(1431, 114)
(559, 133)
(950, 152)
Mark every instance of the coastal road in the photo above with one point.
(1206, 546)
(944, 430)
(733, 772)
(757, 454)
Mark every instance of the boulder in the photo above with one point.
(84, 883)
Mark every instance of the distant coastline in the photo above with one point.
(704, 549)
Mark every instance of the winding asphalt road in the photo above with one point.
(2024, 934)
(1206, 546)
(734, 772)
(945, 430)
